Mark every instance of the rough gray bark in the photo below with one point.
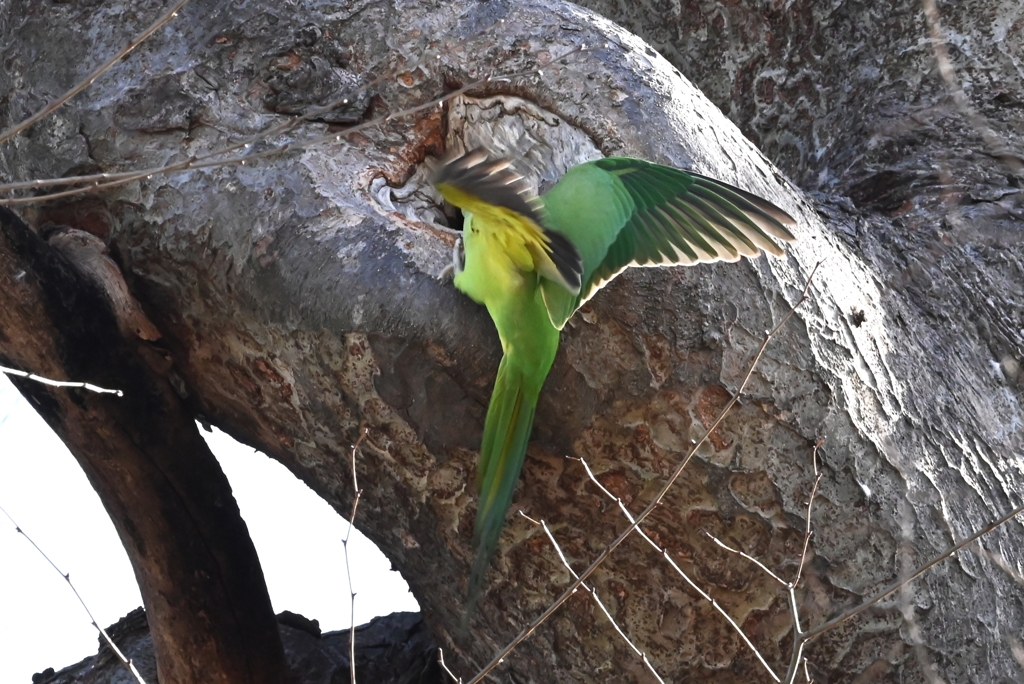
(299, 299)
(846, 94)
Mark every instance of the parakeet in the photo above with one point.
(533, 261)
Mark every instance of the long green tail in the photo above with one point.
(506, 434)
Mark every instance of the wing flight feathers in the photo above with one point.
(678, 217)
(616, 212)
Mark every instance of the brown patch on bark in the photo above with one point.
(713, 399)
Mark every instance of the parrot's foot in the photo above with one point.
(458, 261)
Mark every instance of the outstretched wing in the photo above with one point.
(622, 212)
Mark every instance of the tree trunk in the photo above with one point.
(298, 300)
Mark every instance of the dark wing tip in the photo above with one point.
(777, 222)
(494, 181)
(567, 259)
(748, 221)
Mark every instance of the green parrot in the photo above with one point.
(533, 261)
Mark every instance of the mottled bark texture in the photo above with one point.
(298, 298)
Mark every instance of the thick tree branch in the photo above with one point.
(168, 499)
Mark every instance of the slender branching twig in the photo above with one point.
(743, 554)
(348, 568)
(94, 180)
(59, 383)
(126, 662)
(904, 603)
(571, 589)
(999, 562)
(796, 657)
(996, 146)
(593, 594)
(103, 181)
(212, 159)
(810, 502)
(860, 608)
(675, 566)
(97, 182)
(440, 659)
(801, 637)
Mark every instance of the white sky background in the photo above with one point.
(297, 535)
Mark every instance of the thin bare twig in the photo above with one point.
(96, 73)
(796, 657)
(810, 502)
(857, 610)
(348, 569)
(59, 383)
(801, 638)
(209, 160)
(797, 653)
(126, 662)
(593, 594)
(744, 554)
(790, 588)
(440, 659)
(997, 147)
(96, 179)
(926, 664)
(912, 630)
(798, 646)
(104, 181)
(530, 628)
(1016, 650)
(675, 566)
(999, 562)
